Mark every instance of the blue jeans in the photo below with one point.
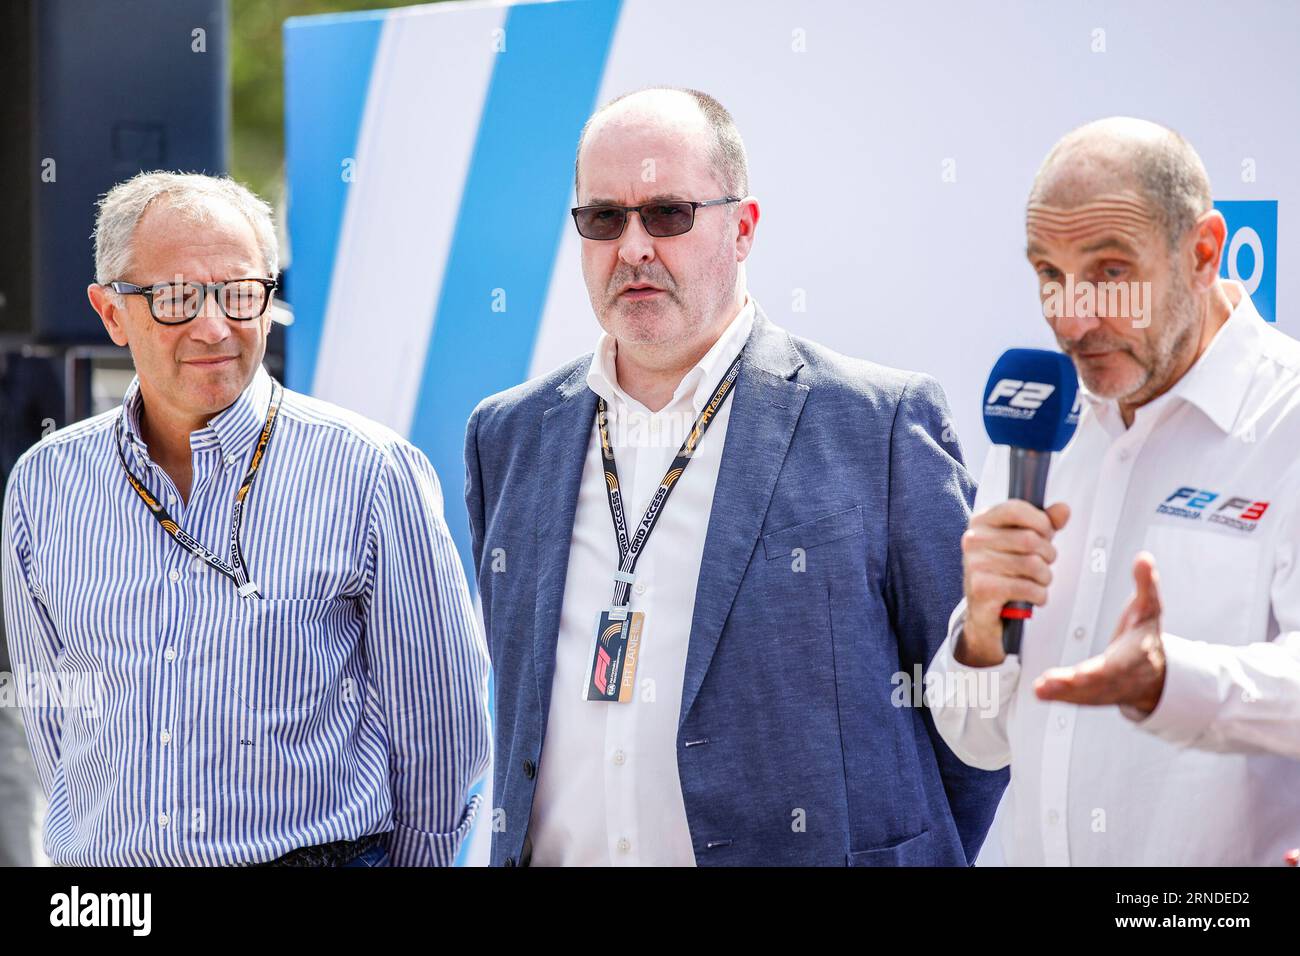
(377, 855)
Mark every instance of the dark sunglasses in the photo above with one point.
(667, 217)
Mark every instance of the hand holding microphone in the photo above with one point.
(1007, 552)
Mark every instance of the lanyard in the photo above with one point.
(236, 570)
(630, 551)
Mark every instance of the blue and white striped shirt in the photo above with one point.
(212, 729)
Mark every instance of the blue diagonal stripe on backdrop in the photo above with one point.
(327, 65)
(512, 210)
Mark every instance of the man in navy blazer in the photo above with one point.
(718, 682)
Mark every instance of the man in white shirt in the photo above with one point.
(1151, 717)
(734, 704)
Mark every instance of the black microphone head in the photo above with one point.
(1031, 400)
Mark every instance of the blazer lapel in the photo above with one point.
(764, 413)
(566, 430)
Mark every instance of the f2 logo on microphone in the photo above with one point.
(1027, 395)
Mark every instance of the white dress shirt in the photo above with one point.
(607, 788)
(1211, 777)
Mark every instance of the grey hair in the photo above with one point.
(124, 205)
(1166, 169)
(1173, 178)
(727, 156)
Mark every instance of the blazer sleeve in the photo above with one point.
(930, 495)
(474, 490)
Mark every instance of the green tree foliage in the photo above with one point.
(257, 84)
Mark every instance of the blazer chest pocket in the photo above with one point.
(810, 534)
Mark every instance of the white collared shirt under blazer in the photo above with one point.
(607, 788)
(1207, 479)
(349, 699)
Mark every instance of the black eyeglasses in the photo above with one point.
(175, 303)
(661, 219)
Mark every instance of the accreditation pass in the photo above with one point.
(611, 675)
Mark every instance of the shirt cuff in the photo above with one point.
(1191, 696)
(409, 846)
(1006, 674)
(1009, 665)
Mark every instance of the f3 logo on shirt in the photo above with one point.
(1195, 504)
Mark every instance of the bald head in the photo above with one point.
(1121, 213)
(665, 299)
(694, 121)
(1122, 154)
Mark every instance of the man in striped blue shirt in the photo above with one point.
(237, 619)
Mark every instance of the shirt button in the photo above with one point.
(624, 845)
(638, 588)
(620, 758)
(1124, 455)
(169, 655)
(174, 575)
(1062, 721)
(163, 819)
(230, 459)
(1078, 633)
(165, 736)
(1053, 816)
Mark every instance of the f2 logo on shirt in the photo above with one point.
(1027, 395)
(1191, 503)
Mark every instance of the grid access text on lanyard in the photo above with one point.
(235, 570)
(630, 551)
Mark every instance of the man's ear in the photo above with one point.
(746, 225)
(104, 301)
(1208, 238)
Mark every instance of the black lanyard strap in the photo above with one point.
(629, 551)
(235, 569)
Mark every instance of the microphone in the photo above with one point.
(1031, 403)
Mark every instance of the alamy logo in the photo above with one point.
(1014, 398)
(103, 909)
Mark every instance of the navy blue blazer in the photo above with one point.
(790, 699)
